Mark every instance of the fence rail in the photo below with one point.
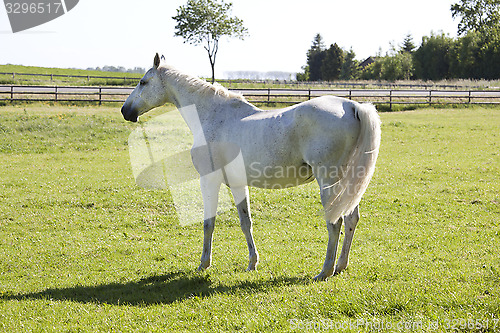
(100, 95)
(88, 78)
(21, 93)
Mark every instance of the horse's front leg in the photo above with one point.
(240, 195)
(210, 192)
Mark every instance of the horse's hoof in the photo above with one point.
(252, 263)
(321, 277)
(251, 268)
(339, 268)
(338, 271)
(202, 267)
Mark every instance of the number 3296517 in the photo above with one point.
(33, 8)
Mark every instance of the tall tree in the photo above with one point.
(204, 22)
(476, 15)
(489, 55)
(432, 59)
(315, 57)
(350, 67)
(318, 44)
(408, 45)
(465, 56)
(332, 63)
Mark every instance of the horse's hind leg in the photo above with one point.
(350, 222)
(333, 235)
(331, 251)
(240, 195)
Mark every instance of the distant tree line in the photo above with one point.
(255, 75)
(118, 69)
(474, 54)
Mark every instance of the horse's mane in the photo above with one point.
(199, 86)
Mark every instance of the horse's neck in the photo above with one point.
(184, 90)
(194, 95)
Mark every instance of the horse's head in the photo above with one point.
(149, 94)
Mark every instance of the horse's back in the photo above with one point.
(321, 125)
(334, 109)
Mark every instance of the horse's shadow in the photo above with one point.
(163, 289)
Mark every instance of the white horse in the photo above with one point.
(333, 140)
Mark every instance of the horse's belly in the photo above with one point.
(278, 176)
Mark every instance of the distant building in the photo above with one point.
(367, 62)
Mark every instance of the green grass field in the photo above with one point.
(82, 248)
(60, 79)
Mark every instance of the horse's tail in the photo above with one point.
(354, 179)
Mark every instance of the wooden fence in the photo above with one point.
(124, 79)
(100, 95)
(132, 79)
(376, 96)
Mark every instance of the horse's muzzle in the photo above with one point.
(129, 115)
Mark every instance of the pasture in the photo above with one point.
(82, 248)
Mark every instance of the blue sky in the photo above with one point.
(128, 33)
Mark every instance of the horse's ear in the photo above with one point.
(157, 61)
(162, 57)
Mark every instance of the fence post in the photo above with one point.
(55, 93)
(268, 95)
(350, 94)
(309, 95)
(11, 93)
(470, 96)
(430, 96)
(390, 100)
(100, 95)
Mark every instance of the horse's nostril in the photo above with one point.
(129, 115)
